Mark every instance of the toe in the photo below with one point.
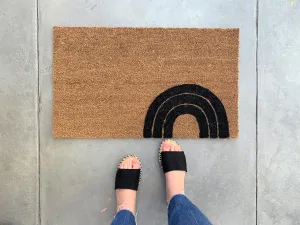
(129, 163)
(136, 164)
(177, 148)
(165, 146)
(172, 147)
(125, 166)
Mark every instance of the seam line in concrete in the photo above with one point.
(38, 111)
(256, 153)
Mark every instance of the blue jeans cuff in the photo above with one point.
(178, 197)
(124, 216)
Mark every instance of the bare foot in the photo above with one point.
(174, 179)
(126, 199)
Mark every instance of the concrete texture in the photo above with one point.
(77, 176)
(18, 113)
(278, 113)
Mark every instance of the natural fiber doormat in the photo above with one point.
(145, 82)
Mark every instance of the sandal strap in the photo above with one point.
(173, 161)
(128, 179)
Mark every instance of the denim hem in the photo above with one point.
(172, 199)
(125, 211)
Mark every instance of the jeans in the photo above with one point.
(181, 211)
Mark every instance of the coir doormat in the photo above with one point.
(145, 82)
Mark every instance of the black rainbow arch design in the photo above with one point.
(186, 99)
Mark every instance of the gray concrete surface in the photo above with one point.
(278, 114)
(77, 176)
(18, 113)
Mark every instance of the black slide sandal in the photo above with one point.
(128, 178)
(170, 160)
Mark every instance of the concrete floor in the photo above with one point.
(251, 180)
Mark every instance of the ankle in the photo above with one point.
(171, 194)
(174, 183)
(126, 206)
(126, 200)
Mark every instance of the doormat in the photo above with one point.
(145, 82)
